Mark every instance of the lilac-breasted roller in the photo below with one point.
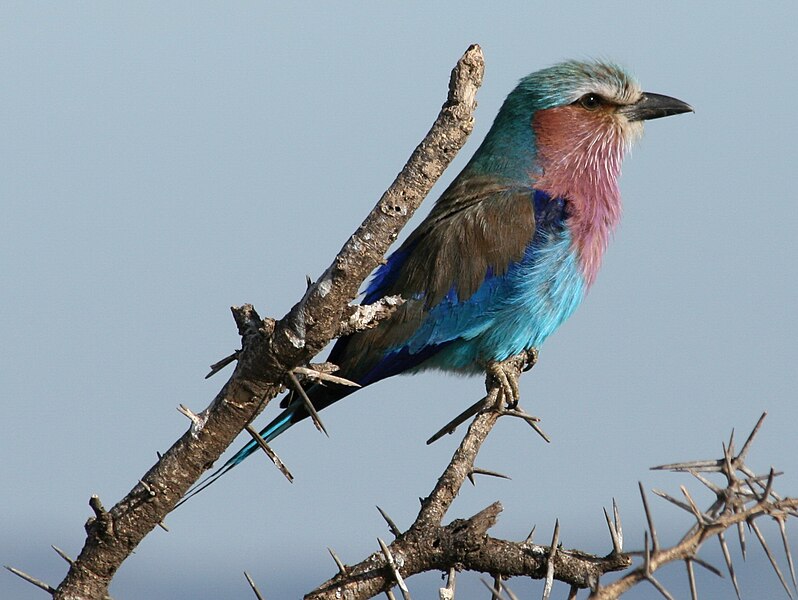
(512, 246)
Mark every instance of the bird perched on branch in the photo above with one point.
(514, 243)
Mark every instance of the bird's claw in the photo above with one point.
(506, 374)
(531, 359)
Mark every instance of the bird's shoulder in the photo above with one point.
(477, 229)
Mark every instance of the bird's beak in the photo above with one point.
(654, 106)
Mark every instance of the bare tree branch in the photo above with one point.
(464, 544)
(271, 349)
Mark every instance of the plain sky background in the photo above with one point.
(160, 162)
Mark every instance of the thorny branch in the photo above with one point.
(465, 545)
(273, 349)
(744, 498)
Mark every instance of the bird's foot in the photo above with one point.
(506, 374)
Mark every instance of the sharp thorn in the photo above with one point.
(727, 557)
(751, 436)
(728, 468)
(148, 488)
(691, 579)
(308, 404)
(270, 453)
(617, 545)
(342, 570)
(555, 540)
(659, 587)
(531, 536)
(752, 524)
(673, 500)
(62, 554)
(696, 465)
(616, 516)
(495, 594)
(702, 563)
(391, 525)
(458, 420)
(394, 569)
(741, 537)
(478, 471)
(532, 421)
(447, 593)
(714, 488)
(769, 486)
(786, 543)
(497, 584)
(693, 508)
(218, 366)
(540, 431)
(649, 517)
(321, 376)
(254, 587)
(32, 580)
(196, 420)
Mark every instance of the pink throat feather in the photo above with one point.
(579, 155)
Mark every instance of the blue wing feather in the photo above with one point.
(386, 275)
(507, 314)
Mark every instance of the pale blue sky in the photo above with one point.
(163, 161)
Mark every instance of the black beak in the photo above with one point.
(654, 106)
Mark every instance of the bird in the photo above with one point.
(513, 244)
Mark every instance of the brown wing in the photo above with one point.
(476, 224)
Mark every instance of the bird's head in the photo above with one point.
(586, 115)
(573, 121)
(564, 130)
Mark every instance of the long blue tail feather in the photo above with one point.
(280, 424)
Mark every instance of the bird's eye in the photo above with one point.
(591, 101)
